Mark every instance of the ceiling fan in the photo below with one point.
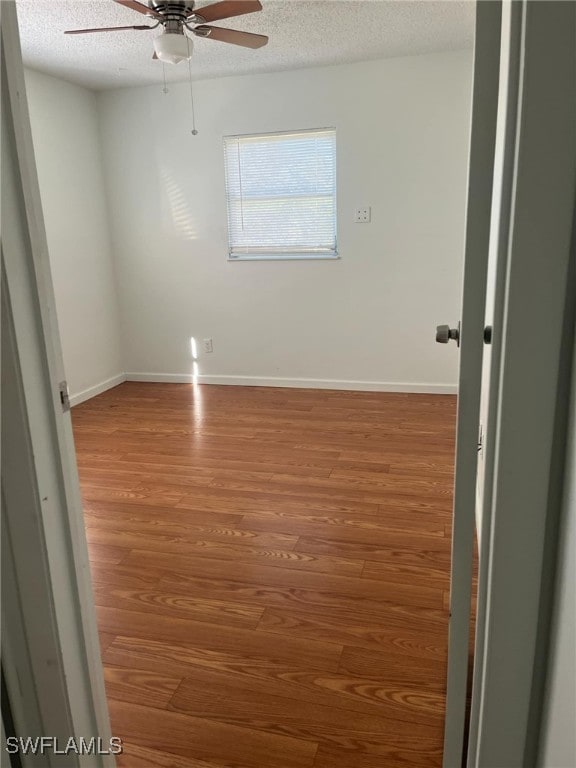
(173, 45)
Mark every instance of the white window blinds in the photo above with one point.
(281, 191)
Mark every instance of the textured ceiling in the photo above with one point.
(302, 33)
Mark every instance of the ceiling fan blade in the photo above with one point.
(139, 7)
(246, 39)
(226, 9)
(105, 29)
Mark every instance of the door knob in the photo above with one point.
(444, 333)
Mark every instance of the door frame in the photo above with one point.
(529, 386)
(531, 389)
(50, 652)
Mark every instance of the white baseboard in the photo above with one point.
(86, 394)
(262, 381)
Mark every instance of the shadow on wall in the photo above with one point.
(179, 208)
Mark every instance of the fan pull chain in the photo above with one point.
(194, 131)
(165, 89)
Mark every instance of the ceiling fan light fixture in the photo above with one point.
(173, 47)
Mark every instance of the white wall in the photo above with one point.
(558, 743)
(69, 161)
(402, 132)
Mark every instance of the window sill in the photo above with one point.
(285, 257)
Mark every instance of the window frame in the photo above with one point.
(282, 255)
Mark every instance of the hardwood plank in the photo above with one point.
(121, 577)
(395, 451)
(328, 757)
(135, 685)
(375, 482)
(235, 553)
(264, 500)
(185, 656)
(359, 631)
(106, 640)
(134, 756)
(286, 485)
(409, 567)
(342, 690)
(318, 654)
(402, 514)
(350, 529)
(204, 739)
(99, 429)
(187, 525)
(106, 553)
(95, 466)
(407, 466)
(357, 443)
(362, 590)
(129, 496)
(120, 477)
(187, 453)
(360, 697)
(387, 553)
(278, 715)
(108, 480)
(416, 671)
(302, 599)
(179, 604)
(158, 515)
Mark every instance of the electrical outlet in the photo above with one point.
(207, 345)
(363, 215)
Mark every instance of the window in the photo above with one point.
(281, 192)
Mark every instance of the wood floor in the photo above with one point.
(271, 573)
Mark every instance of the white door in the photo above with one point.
(532, 306)
(525, 92)
(470, 332)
